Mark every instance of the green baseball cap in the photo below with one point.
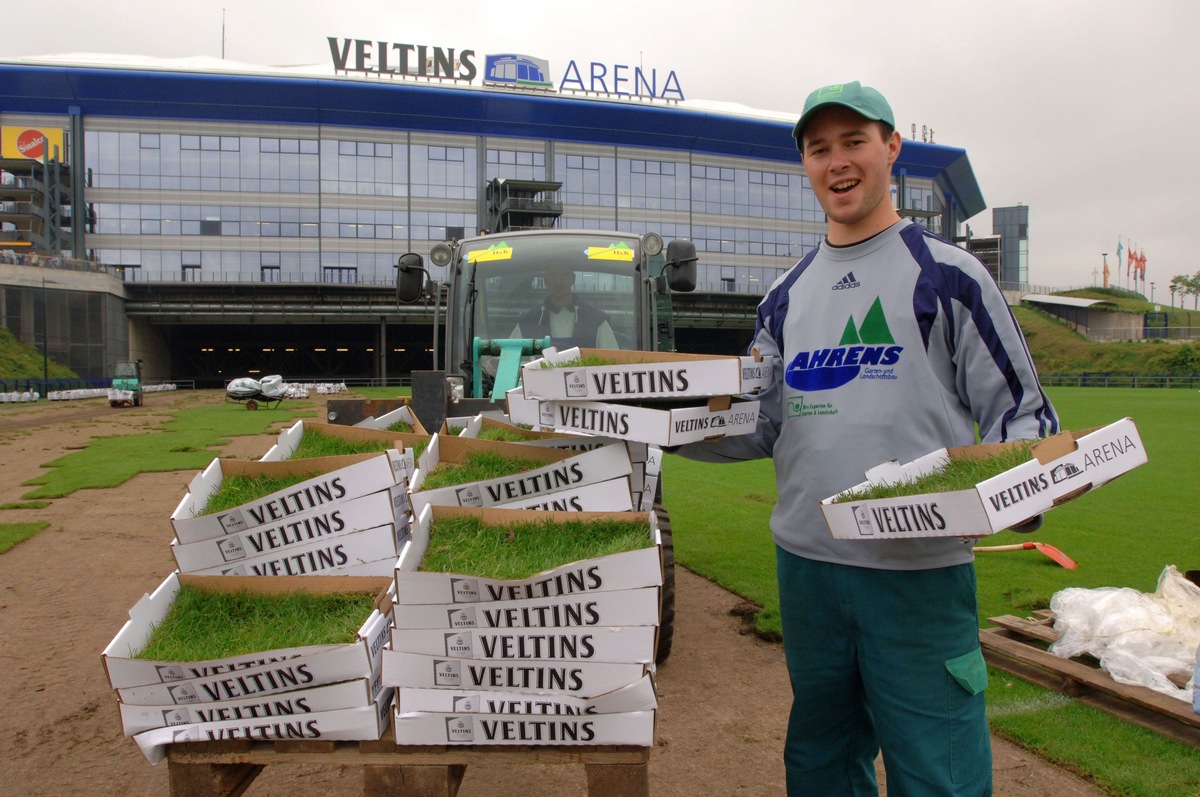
(861, 99)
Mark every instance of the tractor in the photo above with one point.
(126, 389)
(498, 294)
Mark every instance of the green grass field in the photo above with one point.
(1123, 534)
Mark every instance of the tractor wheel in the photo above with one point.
(251, 404)
(666, 612)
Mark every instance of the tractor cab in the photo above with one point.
(508, 296)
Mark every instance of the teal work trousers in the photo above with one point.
(883, 660)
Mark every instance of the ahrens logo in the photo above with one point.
(31, 144)
(861, 347)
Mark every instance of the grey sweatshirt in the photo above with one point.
(887, 349)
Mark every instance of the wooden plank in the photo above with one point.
(224, 769)
(412, 781)
(387, 753)
(1136, 704)
(1019, 625)
(210, 780)
(1097, 679)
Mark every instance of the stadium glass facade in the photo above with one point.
(253, 178)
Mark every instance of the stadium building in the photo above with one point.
(218, 220)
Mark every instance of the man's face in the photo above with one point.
(849, 164)
(559, 284)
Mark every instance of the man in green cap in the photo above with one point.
(906, 344)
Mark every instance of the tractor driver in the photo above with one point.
(566, 320)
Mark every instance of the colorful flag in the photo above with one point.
(1119, 250)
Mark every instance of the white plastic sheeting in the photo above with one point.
(1139, 638)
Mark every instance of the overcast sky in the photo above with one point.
(1087, 111)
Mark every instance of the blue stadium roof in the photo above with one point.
(54, 89)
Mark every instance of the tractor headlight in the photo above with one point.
(652, 243)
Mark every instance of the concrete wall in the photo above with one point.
(146, 343)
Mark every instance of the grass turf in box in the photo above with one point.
(470, 546)
(956, 474)
(315, 444)
(238, 490)
(202, 625)
(480, 466)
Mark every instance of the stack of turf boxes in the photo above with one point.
(197, 660)
(515, 627)
(658, 398)
(240, 642)
(344, 514)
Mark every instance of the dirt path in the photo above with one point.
(66, 592)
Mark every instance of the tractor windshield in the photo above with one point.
(578, 289)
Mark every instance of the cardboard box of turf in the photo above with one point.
(480, 425)
(359, 552)
(645, 461)
(614, 495)
(367, 722)
(288, 705)
(1060, 468)
(560, 470)
(634, 728)
(573, 678)
(627, 571)
(323, 525)
(521, 410)
(399, 415)
(637, 696)
(289, 440)
(143, 682)
(329, 480)
(616, 607)
(588, 643)
(631, 375)
(666, 425)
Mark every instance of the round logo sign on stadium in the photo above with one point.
(31, 144)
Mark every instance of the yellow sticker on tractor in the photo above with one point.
(618, 251)
(500, 251)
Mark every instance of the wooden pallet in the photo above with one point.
(227, 768)
(1018, 646)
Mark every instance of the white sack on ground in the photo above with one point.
(1139, 638)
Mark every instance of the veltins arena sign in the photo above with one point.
(509, 70)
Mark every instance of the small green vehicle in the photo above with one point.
(126, 390)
